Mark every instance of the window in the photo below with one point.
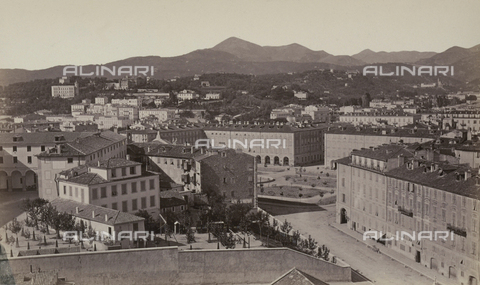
(70, 190)
(114, 173)
(70, 160)
(134, 204)
(152, 184)
(343, 198)
(1, 148)
(114, 206)
(29, 159)
(114, 190)
(124, 172)
(103, 192)
(144, 202)
(1, 159)
(124, 206)
(42, 148)
(134, 187)
(132, 170)
(29, 148)
(64, 190)
(143, 187)
(124, 189)
(94, 194)
(15, 149)
(15, 159)
(152, 201)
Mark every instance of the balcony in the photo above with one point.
(456, 230)
(405, 212)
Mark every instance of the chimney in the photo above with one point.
(468, 174)
(59, 148)
(106, 218)
(127, 157)
(76, 210)
(401, 160)
(93, 214)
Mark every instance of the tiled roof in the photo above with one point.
(114, 217)
(406, 131)
(164, 150)
(385, 152)
(85, 145)
(449, 180)
(264, 128)
(113, 163)
(171, 202)
(40, 138)
(87, 179)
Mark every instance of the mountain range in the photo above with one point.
(235, 55)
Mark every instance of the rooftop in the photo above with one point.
(94, 213)
(264, 128)
(113, 163)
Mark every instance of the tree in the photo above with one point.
(57, 220)
(323, 252)
(151, 225)
(33, 209)
(15, 226)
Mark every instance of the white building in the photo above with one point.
(65, 91)
(318, 113)
(212, 96)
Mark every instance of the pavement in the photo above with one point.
(378, 267)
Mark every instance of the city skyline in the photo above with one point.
(37, 36)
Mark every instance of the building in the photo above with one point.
(297, 144)
(78, 127)
(99, 218)
(213, 96)
(462, 120)
(291, 110)
(390, 189)
(186, 95)
(133, 102)
(341, 140)
(300, 95)
(469, 153)
(385, 118)
(19, 167)
(102, 100)
(139, 136)
(180, 134)
(317, 113)
(79, 151)
(65, 91)
(161, 114)
(114, 183)
(108, 122)
(227, 172)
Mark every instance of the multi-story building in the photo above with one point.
(227, 172)
(65, 91)
(18, 156)
(160, 114)
(108, 122)
(291, 110)
(272, 144)
(139, 136)
(68, 154)
(462, 120)
(114, 183)
(186, 95)
(342, 139)
(180, 134)
(469, 153)
(392, 192)
(317, 113)
(373, 118)
(133, 102)
(99, 218)
(213, 96)
(102, 100)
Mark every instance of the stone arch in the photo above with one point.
(3, 180)
(286, 161)
(31, 180)
(267, 160)
(258, 159)
(276, 160)
(17, 180)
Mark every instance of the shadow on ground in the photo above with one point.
(277, 207)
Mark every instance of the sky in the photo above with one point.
(40, 34)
